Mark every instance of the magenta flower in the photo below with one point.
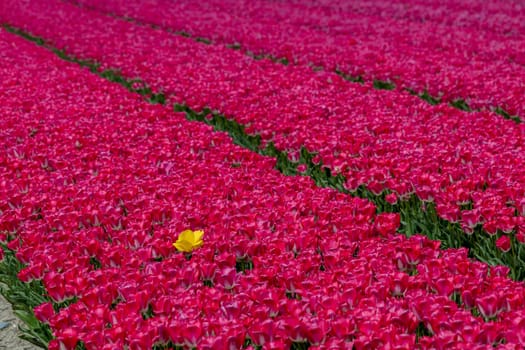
(503, 243)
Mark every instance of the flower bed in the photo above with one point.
(101, 184)
(449, 64)
(490, 15)
(382, 140)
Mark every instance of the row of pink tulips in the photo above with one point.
(96, 186)
(382, 140)
(483, 68)
(329, 21)
(497, 16)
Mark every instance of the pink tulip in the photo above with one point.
(503, 243)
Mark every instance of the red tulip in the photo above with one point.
(503, 243)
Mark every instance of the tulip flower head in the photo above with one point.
(189, 240)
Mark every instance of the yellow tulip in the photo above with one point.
(189, 240)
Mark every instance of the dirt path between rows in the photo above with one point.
(9, 332)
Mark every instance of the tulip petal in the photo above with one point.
(198, 235)
(183, 246)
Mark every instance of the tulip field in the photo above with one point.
(263, 174)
